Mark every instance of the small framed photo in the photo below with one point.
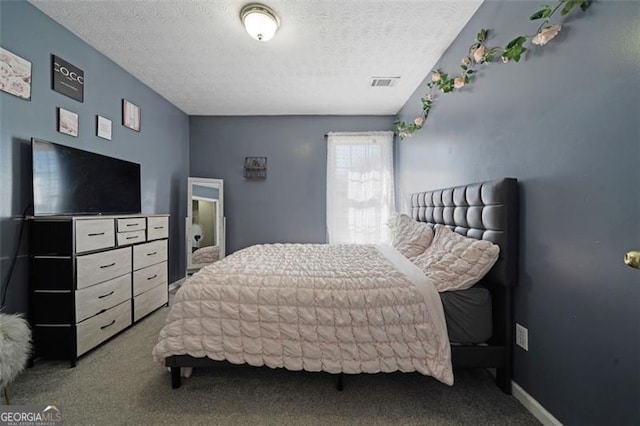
(15, 75)
(67, 122)
(103, 127)
(130, 115)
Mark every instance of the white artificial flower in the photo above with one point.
(546, 34)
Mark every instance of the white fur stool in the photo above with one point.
(15, 346)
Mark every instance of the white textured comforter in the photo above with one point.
(344, 308)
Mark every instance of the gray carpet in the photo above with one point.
(119, 383)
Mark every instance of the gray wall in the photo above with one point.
(565, 122)
(161, 147)
(290, 205)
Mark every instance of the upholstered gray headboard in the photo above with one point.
(485, 210)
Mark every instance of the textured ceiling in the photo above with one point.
(198, 56)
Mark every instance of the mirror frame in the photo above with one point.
(220, 219)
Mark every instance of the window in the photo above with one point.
(359, 187)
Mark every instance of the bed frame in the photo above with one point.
(485, 210)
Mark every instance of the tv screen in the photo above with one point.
(72, 181)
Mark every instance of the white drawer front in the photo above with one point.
(97, 329)
(149, 301)
(149, 277)
(99, 267)
(149, 254)
(131, 224)
(157, 228)
(94, 234)
(97, 298)
(127, 238)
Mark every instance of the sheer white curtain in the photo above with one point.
(359, 187)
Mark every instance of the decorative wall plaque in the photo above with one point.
(67, 79)
(255, 167)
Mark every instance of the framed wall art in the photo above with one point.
(130, 115)
(15, 75)
(67, 78)
(67, 122)
(103, 127)
(255, 167)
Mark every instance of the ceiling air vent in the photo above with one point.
(384, 81)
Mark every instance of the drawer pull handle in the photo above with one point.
(152, 253)
(105, 295)
(108, 325)
(158, 227)
(133, 238)
(132, 224)
(150, 278)
(96, 234)
(108, 266)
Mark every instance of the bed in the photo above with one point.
(343, 322)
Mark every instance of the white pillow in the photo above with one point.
(455, 262)
(410, 237)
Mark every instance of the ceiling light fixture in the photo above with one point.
(260, 21)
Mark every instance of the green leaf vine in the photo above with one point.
(480, 54)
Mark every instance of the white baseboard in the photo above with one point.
(533, 406)
(176, 284)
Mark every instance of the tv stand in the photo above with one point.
(93, 277)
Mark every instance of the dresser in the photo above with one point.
(92, 277)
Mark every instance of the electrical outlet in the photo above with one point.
(522, 337)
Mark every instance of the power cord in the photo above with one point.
(5, 287)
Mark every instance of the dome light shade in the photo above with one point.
(260, 21)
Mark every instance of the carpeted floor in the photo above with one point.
(119, 383)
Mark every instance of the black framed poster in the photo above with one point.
(67, 78)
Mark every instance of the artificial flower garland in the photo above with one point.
(481, 54)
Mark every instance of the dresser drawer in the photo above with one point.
(94, 234)
(157, 228)
(97, 298)
(127, 238)
(149, 301)
(149, 277)
(149, 254)
(131, 224)
(95, 330)
(100, 267)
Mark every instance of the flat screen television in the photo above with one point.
(70, 181)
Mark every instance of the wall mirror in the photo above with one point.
(205, 222)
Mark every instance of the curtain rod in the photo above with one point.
(326, 135)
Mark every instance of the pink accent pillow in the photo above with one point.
(410, 237)
(456, 262)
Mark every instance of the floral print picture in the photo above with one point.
(15, 75)
(67, 122)
(130, 115)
